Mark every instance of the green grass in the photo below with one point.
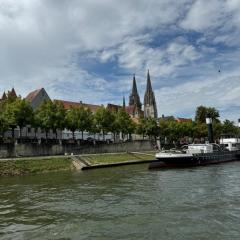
(116, 158)
(33, 166)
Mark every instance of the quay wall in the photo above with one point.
(44, 149)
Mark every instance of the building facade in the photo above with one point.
(134, 108)
(150, 106)
(37, 97)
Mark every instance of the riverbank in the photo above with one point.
(21, 166)
(34, 165)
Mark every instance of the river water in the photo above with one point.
(123, 203)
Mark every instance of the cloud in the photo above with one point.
(88, 50)
(221, 92)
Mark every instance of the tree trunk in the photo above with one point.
(103, 136)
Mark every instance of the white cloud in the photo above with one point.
(220, 91)
(48, 43)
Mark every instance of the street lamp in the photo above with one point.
(210, 128)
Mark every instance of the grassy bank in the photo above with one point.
(33, 166)
(97, 159)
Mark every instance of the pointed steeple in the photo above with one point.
(149, 85)
(134, 86)
(4, 96)
(134, 99)
(150, 107)
(124, 104)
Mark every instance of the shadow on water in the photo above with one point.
(126, 202)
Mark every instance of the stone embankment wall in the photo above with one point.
(30, 149)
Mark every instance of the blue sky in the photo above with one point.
(89, 49)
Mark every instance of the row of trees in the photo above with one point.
(52, 116)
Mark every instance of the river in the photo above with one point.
(127, 202)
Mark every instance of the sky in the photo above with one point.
(88, 50)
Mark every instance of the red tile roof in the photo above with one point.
(183, 119)
(113, 107)
(12, 93)
(32, 95)
(68, 104)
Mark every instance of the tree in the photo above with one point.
(202, 111)
(141, 127)
(72, 117)
(4, 124)
(94, 126)
(152, 128)
(124, 123)
(84, 119)
(23, 114)
(46, 116)
(59, 117)
(104, 119)
(19, 113)
(228, 127)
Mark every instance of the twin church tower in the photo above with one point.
(150, 107)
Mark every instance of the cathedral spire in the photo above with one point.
(149, 85)
(134, 86)
(150, 107)
(134, 99)
(124, 104)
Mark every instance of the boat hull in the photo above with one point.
(195, 160)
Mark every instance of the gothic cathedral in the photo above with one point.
(135, 106)
(150, 106)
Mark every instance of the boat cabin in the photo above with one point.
(200, 148)
(230, 142)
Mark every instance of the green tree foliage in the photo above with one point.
(59, 117)
(202, 111)
(124, 123)
(19, 113)
(84, 119)
(4, 124)
(141, 127)
(45, 115)
(72, 120)
(228, 127)
(151, 128)
(104, 119)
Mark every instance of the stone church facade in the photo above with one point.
(134, 108)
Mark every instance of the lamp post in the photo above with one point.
(210, 128)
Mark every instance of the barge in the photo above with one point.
(200, 154)
(197, 155)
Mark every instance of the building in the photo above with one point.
(113, 107)
(180, 120)
(68, 105)
(134, 108)
(150, 106)
(67, 134)
(10, 95)
(37, 97)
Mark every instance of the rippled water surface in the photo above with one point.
(123, 203)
